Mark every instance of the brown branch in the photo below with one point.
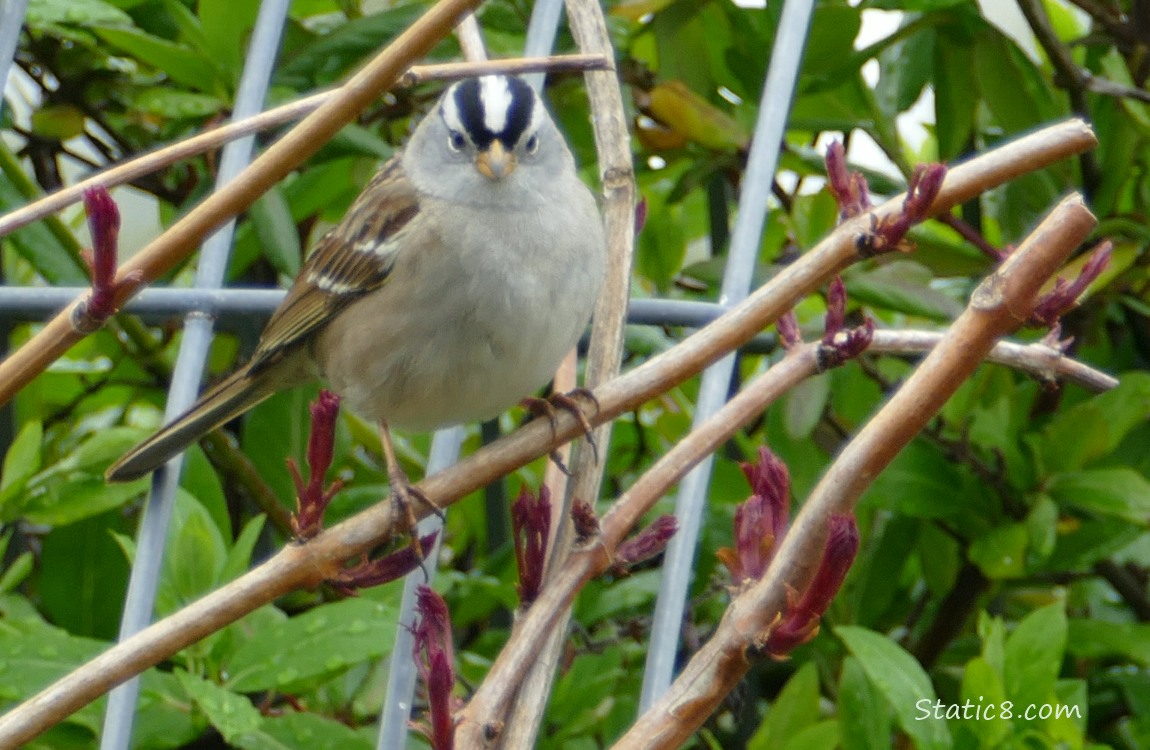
(999, 305)
(1109, 19)
(476, 727)
(616, 175)
(156, 160)
(306, 566)
(1045, 363)
(952, 614)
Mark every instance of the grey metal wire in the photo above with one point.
(401, 673)
(138, 607)
(156, 303)
(782, 74)
(11, 19)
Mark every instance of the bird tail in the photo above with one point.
(227, 400)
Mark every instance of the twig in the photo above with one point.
(549, 610)
(1043, 362)
(306, 566)
(616, 175)
(156, 160)
(1109, 19)
(1000, 304)
(1073, 78)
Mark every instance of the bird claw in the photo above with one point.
(568, 402)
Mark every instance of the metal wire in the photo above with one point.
(401, 675)
(782, 75)
(146, 567)
(11, 20)
(156, 304)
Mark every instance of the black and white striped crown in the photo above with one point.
(491, 108)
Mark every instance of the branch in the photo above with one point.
(156, 160)
(616, 175)
(476, 725)
(306, 566)
(999, 305)
(1041, 361)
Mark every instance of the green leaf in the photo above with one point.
(44, 13)
(274, 431)
(941, 558)
(181, 64)
(295, 729)
(661, 245)
(17, 572)
(795, 709)
(901, 286)
(1092, 429)
(1016, 94)
(992, 631)
(1098, 639)
(226, 26)
(813, 217)
(1001, 552)
(36, 243)
(21, 462)
(332, 55)
(862, 708)
(79, 497)
(913, 6)
(681, 109)
(919, 482)
(904, 71)
(955, 91)
(239, 557)
(833, 31)
(803, 405)
(1067, 722)
(58, 122)
(982, 689)
(1034, 655)
(1119, 492)
(1042, 526)
(194, 557)
(631, 594)
(901, 680)
(83, 577)
(881, 584)
(1091, 541)
(232, 715)
(36, 654)
(277, 231)
(815, 737)
(316, 645)
(201, 481)
(173, 104)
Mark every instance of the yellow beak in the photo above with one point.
(496, 162)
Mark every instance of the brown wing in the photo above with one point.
(351, 260)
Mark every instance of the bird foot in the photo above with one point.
(405, 493)
(568, 402)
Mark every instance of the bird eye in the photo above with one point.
(532, 144)
(455, 140)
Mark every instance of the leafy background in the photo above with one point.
(1004, 556)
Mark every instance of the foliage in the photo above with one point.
(1004, 554)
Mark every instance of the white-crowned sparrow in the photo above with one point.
(453, 288)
